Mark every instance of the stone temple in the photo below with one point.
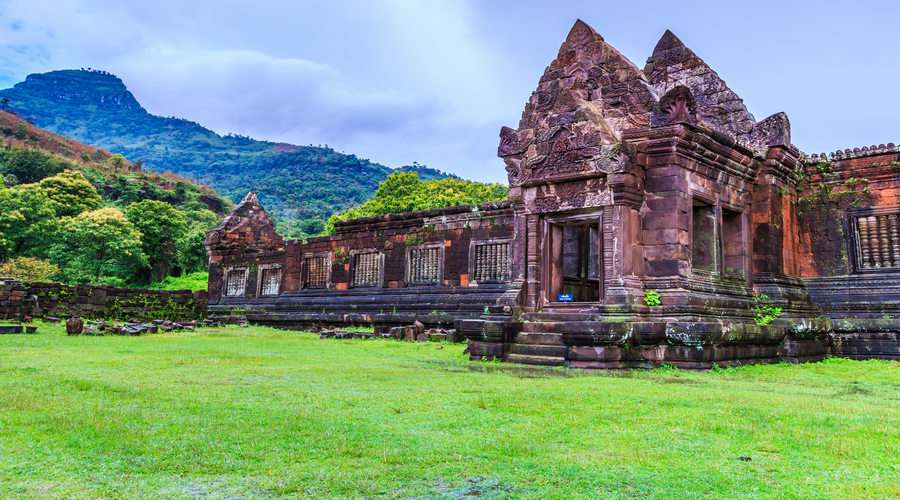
(625, 184)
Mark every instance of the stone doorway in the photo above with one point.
(572, 258)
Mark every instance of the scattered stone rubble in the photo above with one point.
(77, 326)
(414, 332)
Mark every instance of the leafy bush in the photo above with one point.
(28, 269)
(651, 298)
(765, 314)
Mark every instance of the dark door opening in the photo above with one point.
(575, 267)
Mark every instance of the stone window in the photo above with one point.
(235, 282)
(489, 261)
(269, 280)
(315, 271)
(878, 240)
(704, 246)
(425, 264)
(366, 268)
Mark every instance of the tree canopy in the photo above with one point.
(26, 220)
(70, 194)
(404, 192)
(162, 227)
(98, 246)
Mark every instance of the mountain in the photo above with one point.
(293, 182)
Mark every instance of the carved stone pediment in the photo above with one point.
(588, 96)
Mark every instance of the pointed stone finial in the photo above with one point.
(250, 198)
(581, 34)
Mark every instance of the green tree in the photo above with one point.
(27, 221)
(404, 192)
(4, 103)
(101, 246)
(162, 226)
(312, 226)
(116, 160)
(21, 131)
(30, 165)
(70, 194)
(192, 256)
(28, 269)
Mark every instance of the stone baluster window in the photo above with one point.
(491, 261)
(878, 237)
(425, 265)
(270, 281)
(366, 269)
(235, 282)
(316, 272)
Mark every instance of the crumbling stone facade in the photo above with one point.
(648, 213)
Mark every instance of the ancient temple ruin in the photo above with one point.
(625, 185)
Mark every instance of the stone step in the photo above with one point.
(526, 359)
(576, 327)
(539, 350)
(539, 338)
(561, 316)
(539, 327)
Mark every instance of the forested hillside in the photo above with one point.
(76, 213)
(300, 185)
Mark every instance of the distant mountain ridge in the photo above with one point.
(293, 182)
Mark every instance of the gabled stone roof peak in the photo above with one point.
(673, 64)
(668, 42)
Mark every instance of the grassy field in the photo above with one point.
(260, 413)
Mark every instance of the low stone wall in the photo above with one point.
(864, 338)
(19, 299)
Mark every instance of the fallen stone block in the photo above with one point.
(455, 337)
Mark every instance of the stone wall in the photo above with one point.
(383, 249)
(840, 189)
(19, 299)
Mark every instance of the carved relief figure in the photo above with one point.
(677, 106)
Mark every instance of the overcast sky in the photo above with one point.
(398, 81)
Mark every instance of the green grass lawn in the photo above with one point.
(261, 413)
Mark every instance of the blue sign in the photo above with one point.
(565, 297)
